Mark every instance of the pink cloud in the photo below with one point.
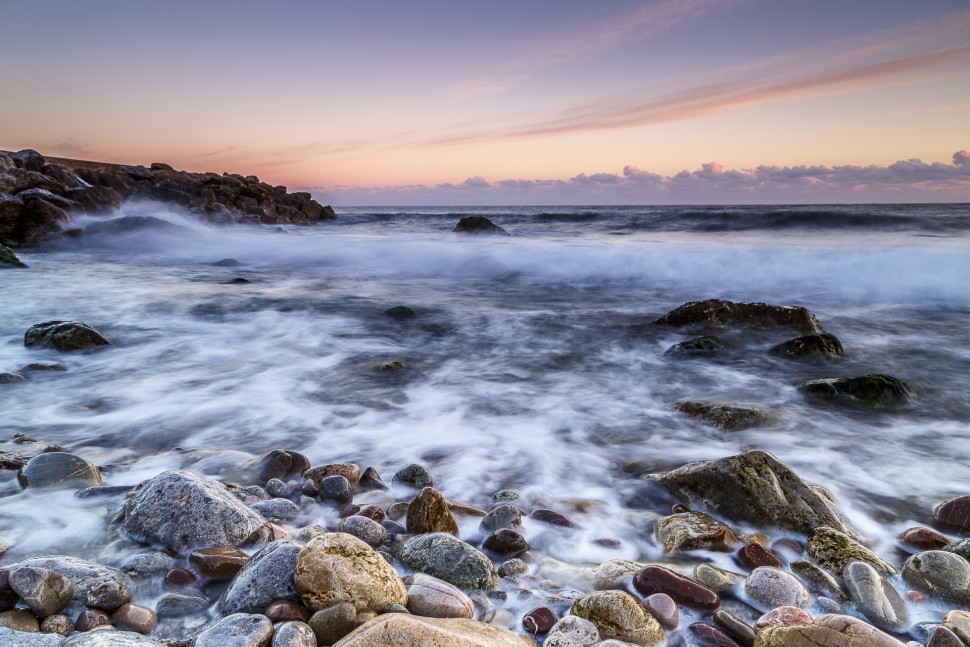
(961, 158)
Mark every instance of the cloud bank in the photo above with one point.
(909, 180)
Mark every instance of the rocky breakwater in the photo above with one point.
(38, 196)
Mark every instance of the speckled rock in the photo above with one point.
(940, 573)
(90, 619)
(501, 516)
(755, 487)
(237, 630)
(718, 580)
(450, 559)
(281, 509)
(56, 624)
(337, 567)
(152, 562)
(403, 630)
(617, 614)
(84, 576)
(506, 543)
(875, 597)
(819, 346)
(64, 336)
(108, 595)
(294, 634)
(428, 512)
(433, 598)
(43, 591)
(834, 550)
(829, 631)
(711, 636)
(719, 313)
(572, 631)
(367, 530)
(954, 514)
(414, 475)
(182, 511)
(753, 555)
(268, 576)
(768, 588)
(729, 417)
(785, 616)
(961, 548)
(694, 531)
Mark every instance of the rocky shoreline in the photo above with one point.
(190, 560)
(38, 196)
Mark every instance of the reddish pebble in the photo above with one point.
(553, 518)
(657, 579)
(924, 539)
(608, 542)
(786, 616)
(678, 508)
(754, 555)
(711, 636)
(662, 607)
(178, 578)
(91, 618)
(917, 597)
(286, 611)
(539, 621)
(373, 512)
(954, 514)
(345, 510)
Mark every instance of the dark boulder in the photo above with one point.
(10, 210)
(96, 199)
(721, 313)
(63, 336)
(132, 224)
(707, 346)
(29, 159)
(160, 166)
(39, 219)
(872, 390)
(478, 225)
(728, 417)
(809, 347)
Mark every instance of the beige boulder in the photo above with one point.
(401, 630)
(618, 614)
(827, 631)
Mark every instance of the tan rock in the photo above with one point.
(433, 598)
(349, 471)
(428, 512)
(401, 630)
(693, 531)
(337, 567)
(827, 631)
(20, 620)
(618, 614)
(959, 623)
(834, 550)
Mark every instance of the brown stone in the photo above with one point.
(924, 539)
(954, 514)
(349, 471)
(657, 579)
(753, 555)
(403, 630)
(179, 578)
(711, 636)
(694, 531)
(286, 611)
(19, 620)
(553, 518)
(539, 621)
(831, 630)
(735, 628)
(787, 616)
(428, 512)
(218, 563)
(943, 637)
(135, 617)
(91, 618)
(662, 607)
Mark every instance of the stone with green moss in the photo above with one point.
(8, 259)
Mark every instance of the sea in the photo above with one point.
(531, 363)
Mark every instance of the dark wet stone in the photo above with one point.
(84, 576)
(49, 367)
(873, 390)
(553, 518)
(414, 475)
(331, 624)
(91, 618)
(785, 616)
(729, 417)
(335, 488)
(954, 514)
(448, 558)
(179, 578)
(506, 543)
(8, 598)
(56, 624)
(428, 512)
(718, 312)
(657, 579)
(175, 604)
(281, 509)
(735, 628)
(961, 548)
(707, 346)
(256, 628)
(108, 595)
(236, 281)
(539, 621)
(608, 542)
(349, 471)
(217, 563)
(710, 636)
(227, 262)
(370, 480)
(753, 555)
(310, 488)
(372, 512)
(11, 378)
(834, 550)
(943, 637)
(924, 539)
(809, 347)
(513, 568)
(400, 313)
(277, 488)
(58, 469)
(266, 577)
(662, 607)
(64, 336)
(287, 611)
(478, 225)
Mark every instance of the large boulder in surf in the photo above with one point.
(820, 346)
(183, 511)
(755, 487)
(132, 225)
(96, 199)
(38, 220)
(721, 313)
(478, 225)
(872, 390)
(64, 336)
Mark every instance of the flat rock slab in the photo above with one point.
(401, 630)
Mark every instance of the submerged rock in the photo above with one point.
(809, 347)
(64, 336)
(718, 312)
(728, 417)
(755, 487)
(478, 225)
(707, 346)
(58, 469)
(132, 225)
(9, 259)
(873, 390)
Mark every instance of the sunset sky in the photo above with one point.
(507, 102)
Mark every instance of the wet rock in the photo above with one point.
(396, 629)
(279, 464)
(653, 579)
(333, 623)
(414, 475)
(84, 576)
(818, 346)
(367, 530)
(217, 563)
(506, 543)
(875, 597)
(553, 518)
(64, 336)
(28, 159)
(19, 620)
(718, 580)
(539, 621)
(662, 607)
(478, 225)
(768, 588)
(335, 488)
(281, 509)
(719, 313)
(943, 637)
(786, 616)
(872, 390)
(11, 378)
(450, 559)
(961, 548)
(337, 567)
(428, 512)
(43, 366)
(90, 619)
(9, 259)
(617, 614)
(834, 550)
(940, 573)
(753, 555)
(830, 630)
(513, 568)
(277, 488)
(237, 630)
(349, 471)
(108, 595)
(501, 516)
(268, 576)
(728, 417)
(400, 313)
(286, 610)
(8, 599)
(755, 487)
(924, 539)
(56, 624)
(711, 636)
(434, 598)
(175, 604)
(735, 628)
(294, 634)
(182, 511)
(572, 631)
(707, 346)
(40, 218)
(370, 480)
(694, 531)
(959, 623)
(17, 638)
(954, 514)
(95, 199)
(134, 617)
(818, 579)
(17, 452)
(58, 470)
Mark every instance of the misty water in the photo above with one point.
(531, 363)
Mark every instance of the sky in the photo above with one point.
(507, 102)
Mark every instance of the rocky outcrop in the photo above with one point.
(871, 390)
(8, 258)
(64, 336)
(478, 225)
(719, 313)
(38, 195)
